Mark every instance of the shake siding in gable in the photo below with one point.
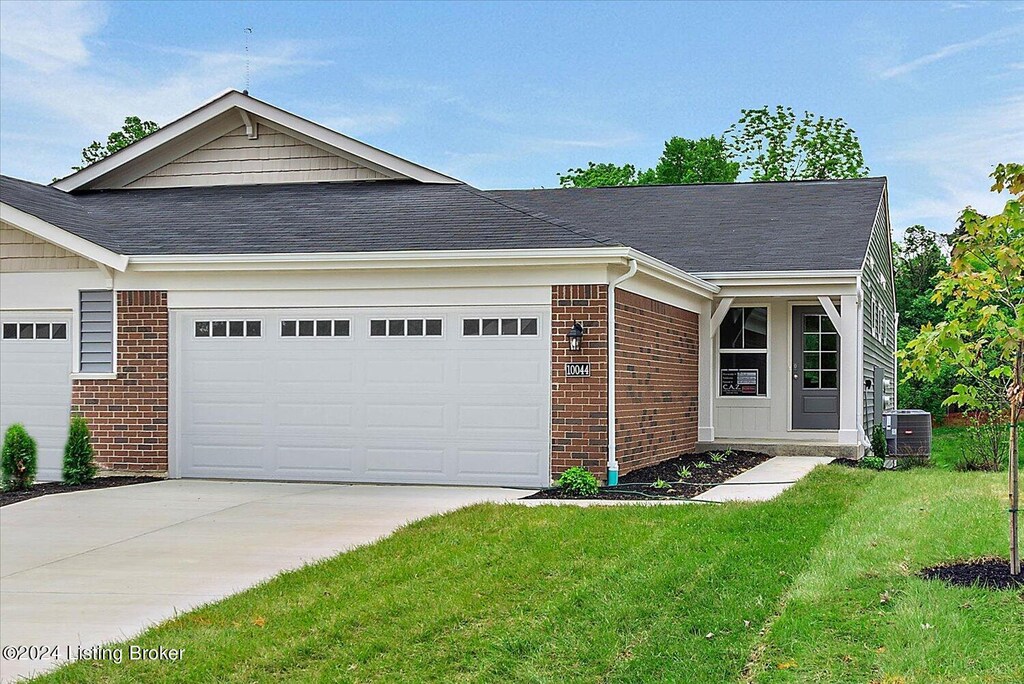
(880, 331)
(272, 157)
(21, 252)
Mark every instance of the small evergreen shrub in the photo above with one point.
(17, 459)
(879, 447)
(578, 482)
(79, 467)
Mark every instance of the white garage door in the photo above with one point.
(419, 396)
(35, 382)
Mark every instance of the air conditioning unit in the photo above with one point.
(908, 432)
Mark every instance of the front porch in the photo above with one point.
(781, 366)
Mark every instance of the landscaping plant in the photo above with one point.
(79, 466)
(872, 462)
(578, 482)
(683, 473)
(702, 465)
(18, 459)
(879, 447)
(984, 443)
(717, 458)
(983, 335)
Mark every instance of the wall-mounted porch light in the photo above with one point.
(575, 337)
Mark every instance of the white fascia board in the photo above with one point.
(425, 259)
(62, 238)
(226, 102)
(775, 278)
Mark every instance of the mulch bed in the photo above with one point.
(637, 485)
(991, 573)
(44, 488)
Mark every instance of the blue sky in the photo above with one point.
(509, 94)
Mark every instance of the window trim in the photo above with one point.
(405, 327)
(332, 320)
(719, 350)
(227, 328)
(519, 326)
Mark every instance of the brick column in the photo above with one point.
(656, 390)
(128, 414)
(579, 406)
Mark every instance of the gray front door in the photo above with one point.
(815, 370)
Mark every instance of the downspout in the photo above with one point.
(613, 464)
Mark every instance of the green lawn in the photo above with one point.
(791, 590)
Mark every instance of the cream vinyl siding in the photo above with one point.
(22, 252)
(273, 157)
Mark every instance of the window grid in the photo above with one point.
(232, 328)
(821, 353)
(406, 327)
(499, 327)
(35, 331)
(316, 328)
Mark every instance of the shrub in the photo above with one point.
(78, 464)
(985, 444)
(578, 481)
(17, 459)
(872, 462)
(879, 447)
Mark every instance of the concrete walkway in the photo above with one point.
(764, 481)
(89, 567)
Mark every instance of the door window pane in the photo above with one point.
(811, 379)
(378, 328)
(829, 361)
(220, 328)
(26, 331)
(42, 331)
(509, 326)
(528, 326)
(434, 327)
(341, 328)
(396, 327)
(323, 328)
(253, 328)
(471, 326)
(288, 328)
(490, 326)
(236, 329)
(829, 379)
(305, 328)
(10, 331)
(60, 331)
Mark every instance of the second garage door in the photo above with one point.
(456, 396)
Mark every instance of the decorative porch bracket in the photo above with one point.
(833, 313)
(719, 315)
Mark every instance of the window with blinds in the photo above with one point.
(96, 331)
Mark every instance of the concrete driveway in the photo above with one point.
(90, 567)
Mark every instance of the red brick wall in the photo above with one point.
(579, 406)
(128, 415)
(656, 381)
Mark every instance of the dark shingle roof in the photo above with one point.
(802, 225)
(295, 218)
(819, 225)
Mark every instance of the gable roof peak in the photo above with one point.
(227, 111)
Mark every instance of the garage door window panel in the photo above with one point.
(35, 331)
(228, 329)
(499, 327)
(406, 327)
(315, 328)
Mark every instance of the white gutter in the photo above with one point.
(613, 464)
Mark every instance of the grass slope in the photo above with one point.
(630, 594)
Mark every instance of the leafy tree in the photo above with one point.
(683, 161)
(599, 176)
(918, 262)
(17, 459)
(134, 129)
(695, 161)
(79, 466)
(777, 146)
(983, 336)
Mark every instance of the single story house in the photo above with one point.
(247, 294)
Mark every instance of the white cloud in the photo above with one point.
(47, 36)
(63, 84)
(950, 50)
(954, 157)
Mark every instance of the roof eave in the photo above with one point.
(56, 235)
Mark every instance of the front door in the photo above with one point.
(815, 370)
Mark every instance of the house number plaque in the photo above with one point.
(577, 370)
